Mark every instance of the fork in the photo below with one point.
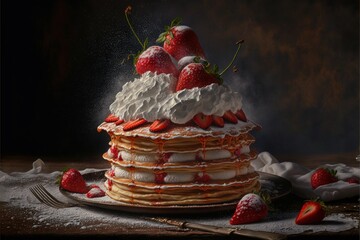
(47, 198)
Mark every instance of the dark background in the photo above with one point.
(62, 64)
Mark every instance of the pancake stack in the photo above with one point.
(183, 165)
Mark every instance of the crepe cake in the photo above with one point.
(183, 164)
(179, 135)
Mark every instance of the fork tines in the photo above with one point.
(45, 197)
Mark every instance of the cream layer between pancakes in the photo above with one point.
(207, 155)
(179, 177)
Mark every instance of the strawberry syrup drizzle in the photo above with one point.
(203, 141)
(132, 141)
(110, 183)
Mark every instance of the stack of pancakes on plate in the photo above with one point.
(184, 165)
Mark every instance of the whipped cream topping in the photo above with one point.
(153, 96)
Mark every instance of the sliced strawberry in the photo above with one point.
(118, 122)
(111, 172)
(164, 157)
(311, 212)
(241, 115)
(251, 208)
(230, 117)
(352, 180)
(113, 152)
(134, 124)
(202, 177)
(202, 120)
(95, 192)
(159, 125)
(237, 152)
(160, 177)
(73, 181)
(218, 121)
(111, 118)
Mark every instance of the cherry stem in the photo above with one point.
(133, 31)
(239, 43)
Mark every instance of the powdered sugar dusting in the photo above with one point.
(15, 193)
(181, 28)
(252, 201)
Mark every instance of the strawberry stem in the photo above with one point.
(127, 12)
(239, 43)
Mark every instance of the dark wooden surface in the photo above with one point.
(18, 224)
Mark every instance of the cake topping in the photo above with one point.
(152, 97)
(165, 94)
(180, 41)
(195, 75)
(155, 59)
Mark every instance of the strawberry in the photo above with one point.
(241, 115)
(196, 75)
(164, 157)
(134, 124)
(323, 176)
(251, 208)
(113, 152)
(73, 181)
(159, 125)
(155, 59)
(159, 177)
(95, 192)
(352, 180)
(202, 178)
(118, 122)
(202, 120)
(230, 117)
(111, 118)
(180, 41)
(311, 212)
(218, 121)
(111, 173)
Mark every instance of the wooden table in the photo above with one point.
(16, 224)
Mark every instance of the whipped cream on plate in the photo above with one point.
(153, 96)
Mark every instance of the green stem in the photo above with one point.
(239, 43)
(136, 36)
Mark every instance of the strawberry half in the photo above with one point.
(95, 192)
(323, 176)
(218, 121)
(241, 115)
(159, 125)
(155, 59)
(202, 120)
(134, 124)
(118, 122)
(311, 212)
(202, 177)
(251, 208)
(73, 181)
(196, 75)
(111, 118)
(180, 41)
(230, 117)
